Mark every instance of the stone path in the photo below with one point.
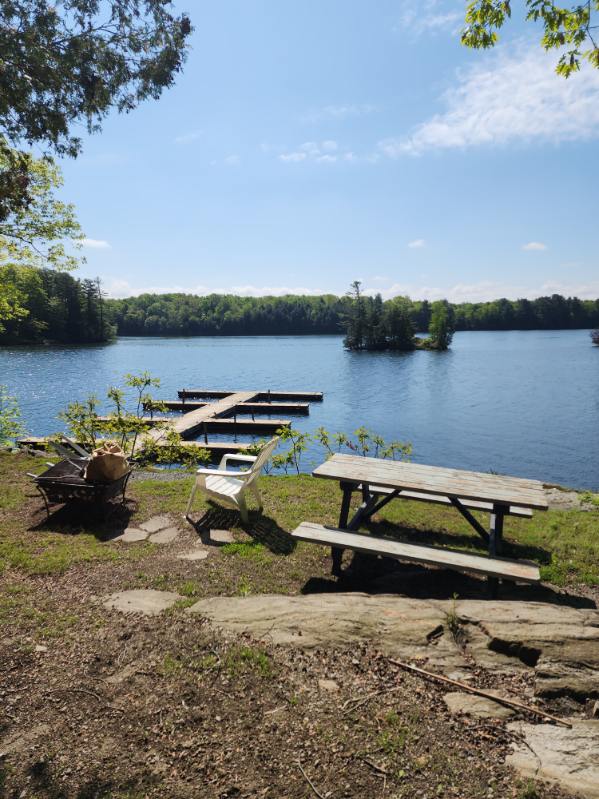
(141, 600)
(157, 530)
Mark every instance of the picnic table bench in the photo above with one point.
(380, 481)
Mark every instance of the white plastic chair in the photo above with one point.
(229, 486)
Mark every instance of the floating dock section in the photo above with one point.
(214, 411)
(204, 411)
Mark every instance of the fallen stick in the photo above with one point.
(309, 781)
(354, 704)
(500, 700)
(383, 772)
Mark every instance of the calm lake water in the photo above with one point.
(521, 403)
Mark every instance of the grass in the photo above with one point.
(394, 735)
(242, 659)
(249, 550)
(18, 609)
(564, 543)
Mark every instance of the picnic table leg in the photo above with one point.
(337, 552)
(495, 543)
(496, 530)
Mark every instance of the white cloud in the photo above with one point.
(487, 290)
(458, 292)
(417, 244)
(323, 152)
(95, 244)
(511, 96)
(339, 112)
(430, 16)
(534, 245)
(187, 138)
(123, 288)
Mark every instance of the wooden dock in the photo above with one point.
(253, 408)
(218, 416)
(267, 396)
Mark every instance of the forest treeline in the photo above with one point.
(45, 305)
(38, 305)
(226, 314)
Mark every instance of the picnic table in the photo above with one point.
(381, 481)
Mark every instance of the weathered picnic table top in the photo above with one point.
(434, 480)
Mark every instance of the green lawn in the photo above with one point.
(565, 543)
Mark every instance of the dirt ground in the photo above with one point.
(98, 704)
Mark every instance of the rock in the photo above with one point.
(328, 685)
(566, 757)
(577, 679)
(164, 536)
(595, 710)
(41, 648)
(473, 705)
(141, 600)
(221, 536)
(196, 554)
(503, 636)
(132, 534)
(156, 523)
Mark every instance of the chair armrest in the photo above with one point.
(222, 473)
(233, 456)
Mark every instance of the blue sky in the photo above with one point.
(309, 144)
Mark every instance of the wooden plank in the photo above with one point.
(521, 571)
(243, 425)
(177, 405)
(435, 480)
(487, 507)
(306, 396)
(258, 408)
(149, 420)
(191, 422)
(214, 447)
(297, 408)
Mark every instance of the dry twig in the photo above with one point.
(464, 687)
(309, 781)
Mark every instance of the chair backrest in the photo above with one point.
(263, 457)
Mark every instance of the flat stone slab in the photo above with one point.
(131, 535)
(141, 600)
(502, 636)
(156, 523)
(221, 536)
(197, 554)
(164, 536)
(328, 685)
(569, 758)
(477, 706)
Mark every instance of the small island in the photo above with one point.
(371, 324)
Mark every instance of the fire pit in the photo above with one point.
(64, 482)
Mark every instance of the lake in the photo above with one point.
(520, 402)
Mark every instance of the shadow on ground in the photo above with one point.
(44, 780)
(469, 542)
(372, 575)
(261, 529)
(105, 522)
